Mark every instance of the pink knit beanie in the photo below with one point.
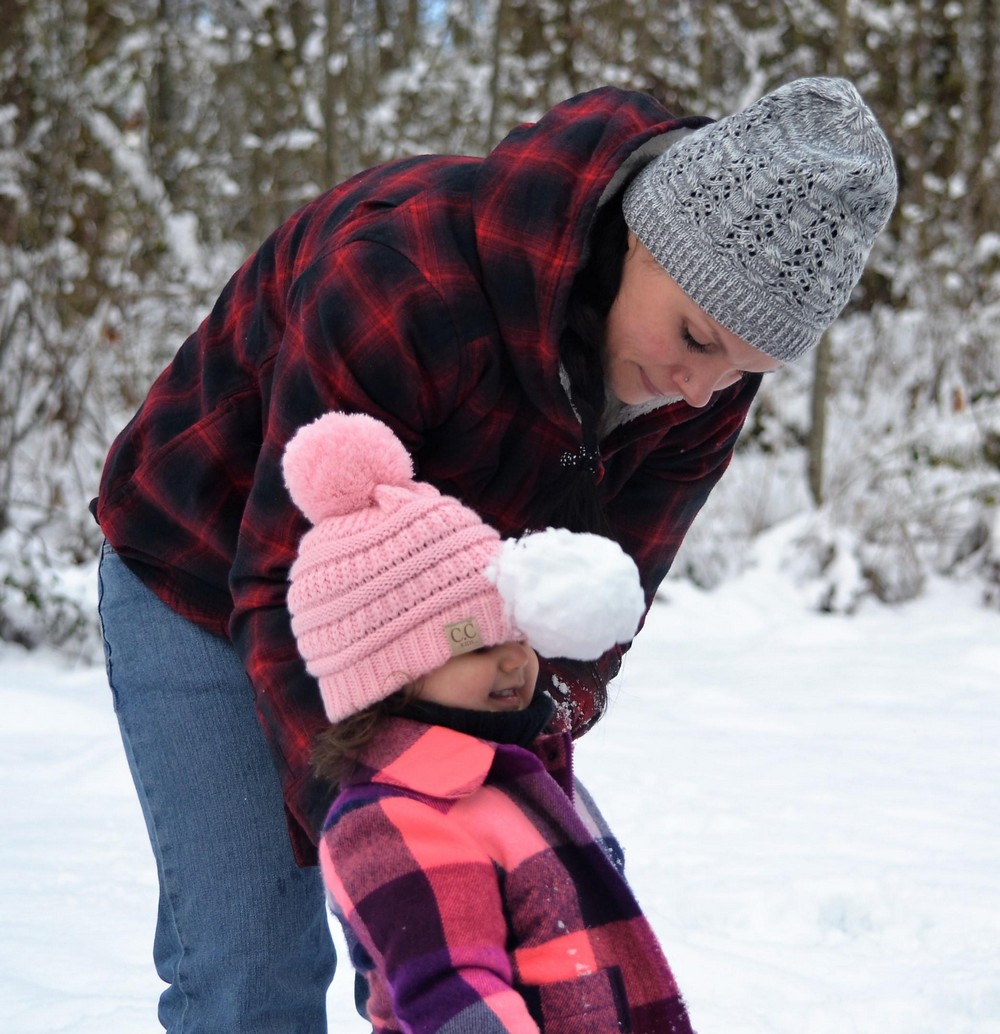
(394, 578)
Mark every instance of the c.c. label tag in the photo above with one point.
(463, 637)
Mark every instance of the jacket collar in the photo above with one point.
(439, 762)
(428, 759)
(535, 198)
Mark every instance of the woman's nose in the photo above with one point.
(699, 385)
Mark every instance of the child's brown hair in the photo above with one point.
(338, 747)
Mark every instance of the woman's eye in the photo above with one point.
(693, 344)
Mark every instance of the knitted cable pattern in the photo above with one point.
(766, 218)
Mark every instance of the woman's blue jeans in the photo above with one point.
(242, 938)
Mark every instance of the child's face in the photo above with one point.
(496, 678)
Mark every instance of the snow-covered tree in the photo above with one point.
(147, 147)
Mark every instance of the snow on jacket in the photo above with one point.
(429, 292)
(480, 894)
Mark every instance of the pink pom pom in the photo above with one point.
(333, 465)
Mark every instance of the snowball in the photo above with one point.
(571, 595)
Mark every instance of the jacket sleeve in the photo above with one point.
(655, 507)
(362, 331)
(423, 899)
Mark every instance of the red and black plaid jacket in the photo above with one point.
(429, 292)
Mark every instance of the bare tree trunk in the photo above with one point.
(567, 62)
(333, 91)
(495, 76)
(411, 27)
(823, 358)
(162, 102)
(984, 167)
(817, 429)
(706, 54)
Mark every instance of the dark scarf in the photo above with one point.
(520, 728)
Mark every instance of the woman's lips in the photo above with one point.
(649, 385)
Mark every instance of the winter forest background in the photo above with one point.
(147, 146)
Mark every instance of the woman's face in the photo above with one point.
(661, 345)
(496, 678)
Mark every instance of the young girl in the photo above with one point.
(478, 886)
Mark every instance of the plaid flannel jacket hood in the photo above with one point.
(478, 893)
(429, 292)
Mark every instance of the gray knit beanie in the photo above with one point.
(766, 218)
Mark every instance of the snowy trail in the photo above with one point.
(808, 806)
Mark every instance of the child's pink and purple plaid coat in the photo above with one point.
(481, 891)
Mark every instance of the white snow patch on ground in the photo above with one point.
(808, 805)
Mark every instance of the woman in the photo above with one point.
(569, 331)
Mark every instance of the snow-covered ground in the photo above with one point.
(810, 807)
